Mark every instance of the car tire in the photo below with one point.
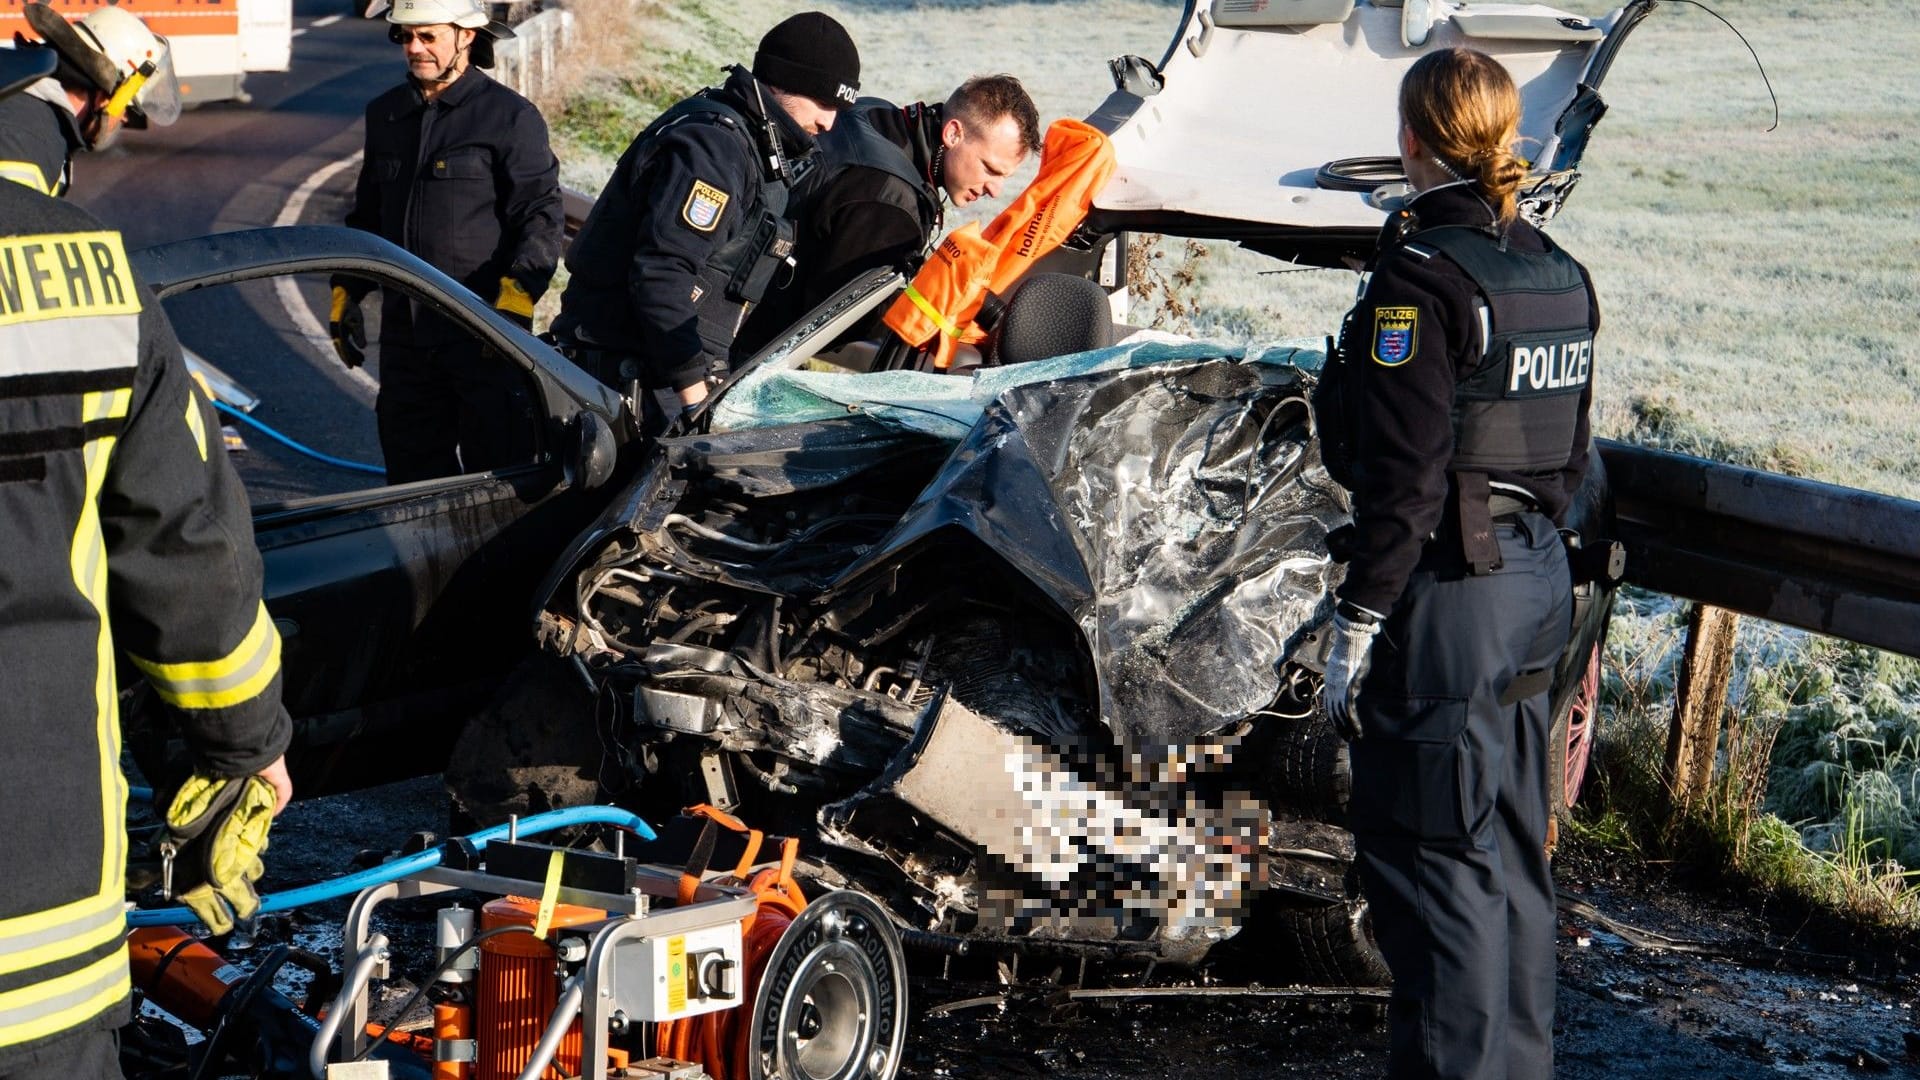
(1309, 768)
(1323, 944)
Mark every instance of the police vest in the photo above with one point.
(1518, 410)
(738, 272)
(853, 142)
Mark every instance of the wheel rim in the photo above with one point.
(1580, 714)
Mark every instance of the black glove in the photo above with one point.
(216, 833)
(348, 327)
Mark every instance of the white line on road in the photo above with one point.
(325, 21)
(305, 323)
(297, 31)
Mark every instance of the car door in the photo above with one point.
(399, 606)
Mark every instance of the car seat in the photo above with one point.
(1051, 315)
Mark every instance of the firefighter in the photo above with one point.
(1459, 421)
(876, 197)
(692, 228)
(458, 170)
(112, 72)
(127, 534)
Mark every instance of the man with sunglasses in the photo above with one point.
(692, 228)
(458, 170)
(878, 196)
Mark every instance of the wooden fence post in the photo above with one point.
(1700, 700)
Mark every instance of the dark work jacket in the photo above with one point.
(856, 211)
(1402, 412)
(650, 268)
(468, 183)
(126, 534)
(37, 141)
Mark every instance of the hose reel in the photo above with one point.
(832, 998)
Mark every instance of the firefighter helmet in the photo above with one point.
(115, 52)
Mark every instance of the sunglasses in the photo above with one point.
(400, 35)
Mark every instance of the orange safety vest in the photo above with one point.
(970, 262)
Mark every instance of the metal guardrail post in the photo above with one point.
(1700, 701)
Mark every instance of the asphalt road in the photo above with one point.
(227, 166)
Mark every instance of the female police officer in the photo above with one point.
(1464, 375)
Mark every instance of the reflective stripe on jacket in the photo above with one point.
(125, 531)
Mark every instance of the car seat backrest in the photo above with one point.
(1052, 315)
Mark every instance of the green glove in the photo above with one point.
(216, 833)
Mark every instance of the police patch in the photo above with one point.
(1395, 331)
(704, 206)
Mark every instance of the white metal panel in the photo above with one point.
(1239, 132)
(266, 35)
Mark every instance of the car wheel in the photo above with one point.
(1309, 768)
(1575, 720)
(1324, 944)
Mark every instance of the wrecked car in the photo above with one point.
(1030, 656)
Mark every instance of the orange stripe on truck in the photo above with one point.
(169, 18)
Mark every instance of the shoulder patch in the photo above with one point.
(705, 203)
(1395, 332)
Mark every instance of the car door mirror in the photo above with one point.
(594, 450)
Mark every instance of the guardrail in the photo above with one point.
(525, 61)
(1829, 559)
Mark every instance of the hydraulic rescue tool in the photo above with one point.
(554, 963)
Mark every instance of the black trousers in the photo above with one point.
(83, 1055)
(1449, 810)
(452, 408)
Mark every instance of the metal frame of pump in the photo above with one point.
(612, 964)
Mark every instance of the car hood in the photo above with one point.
(1229, 135)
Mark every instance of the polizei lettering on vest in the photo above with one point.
(1544, 368)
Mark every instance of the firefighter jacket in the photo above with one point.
(1466, 371)
(469, 183)
(126, 534)
(872, 199)
(38, 136)
(688, 234)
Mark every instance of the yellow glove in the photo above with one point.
(216, 833)
(515, 302)
(348, 328)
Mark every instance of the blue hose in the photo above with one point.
(329, 459)
(412, 864)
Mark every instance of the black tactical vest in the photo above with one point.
(1518, 410)
(854, 142)
(737, 274)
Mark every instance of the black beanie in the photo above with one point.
(812, 55)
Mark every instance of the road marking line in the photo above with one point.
(326, 21)
(305, 322)
(297, 31)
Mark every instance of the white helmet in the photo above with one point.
(465, 14)
(112, 49)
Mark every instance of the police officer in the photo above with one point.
(1462, 386)
(458, 170)
(112, 72)
(876, 196)
(691, 229)
(126, 533)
